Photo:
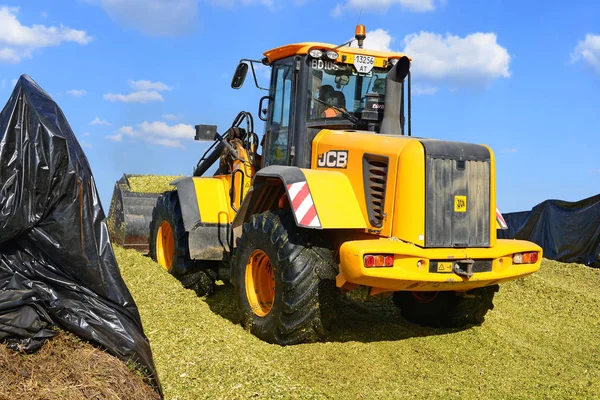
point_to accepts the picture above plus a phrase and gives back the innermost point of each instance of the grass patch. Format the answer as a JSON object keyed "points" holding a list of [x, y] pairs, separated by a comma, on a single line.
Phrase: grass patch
{"points": [[70, 369], [541, 341], [152, 183]]}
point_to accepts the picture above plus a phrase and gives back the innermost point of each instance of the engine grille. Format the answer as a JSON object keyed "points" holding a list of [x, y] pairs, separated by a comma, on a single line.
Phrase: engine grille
{"points": [[457, 195], [375, 171]]}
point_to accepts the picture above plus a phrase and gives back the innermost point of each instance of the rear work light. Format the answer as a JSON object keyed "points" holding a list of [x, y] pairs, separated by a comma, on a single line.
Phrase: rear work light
{"points": [[378, 260], [526, 258]]}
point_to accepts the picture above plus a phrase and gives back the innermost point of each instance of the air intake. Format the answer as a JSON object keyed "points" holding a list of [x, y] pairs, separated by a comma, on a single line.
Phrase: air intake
{"points": [[375, 169]]}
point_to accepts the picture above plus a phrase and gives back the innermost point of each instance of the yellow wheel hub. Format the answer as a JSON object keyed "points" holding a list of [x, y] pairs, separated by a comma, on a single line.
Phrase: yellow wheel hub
{"points": [[165, 245], [260, 283]]}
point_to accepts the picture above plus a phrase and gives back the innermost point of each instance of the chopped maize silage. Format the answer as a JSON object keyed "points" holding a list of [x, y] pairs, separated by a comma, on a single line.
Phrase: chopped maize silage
{"points": [[152, 183], [541, 341]]}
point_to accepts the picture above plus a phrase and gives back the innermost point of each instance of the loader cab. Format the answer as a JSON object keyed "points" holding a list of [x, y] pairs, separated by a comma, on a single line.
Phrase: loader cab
{"points": [[316, 86]]}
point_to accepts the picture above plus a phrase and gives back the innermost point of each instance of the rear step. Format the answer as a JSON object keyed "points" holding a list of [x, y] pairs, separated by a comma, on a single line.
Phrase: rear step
{"points": [[130, 215]]}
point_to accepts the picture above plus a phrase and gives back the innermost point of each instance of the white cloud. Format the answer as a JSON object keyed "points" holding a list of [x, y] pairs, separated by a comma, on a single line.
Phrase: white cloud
{"points": [[144, 92], [418, 90], [337, 11], [10, 56], [144, 96], [588, 50], [475, 60], [18, 41], [235, 3], [157, 128], [152, 17], [173, 117], [143, 85], [156, 132], [167, 142], [86, 144], [595, 171], [86, 134], [382, 6], [14, 82], [378, 39], [118, 137], [98, 121], [77, 92]]}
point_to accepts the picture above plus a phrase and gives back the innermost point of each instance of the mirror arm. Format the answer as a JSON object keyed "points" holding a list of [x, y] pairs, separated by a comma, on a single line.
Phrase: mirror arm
{"points": [[254, 72], [409, 100]]}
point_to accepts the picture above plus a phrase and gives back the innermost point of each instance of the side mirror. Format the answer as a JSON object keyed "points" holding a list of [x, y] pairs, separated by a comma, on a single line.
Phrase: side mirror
{"points": [[240, 75], [206, 132]]}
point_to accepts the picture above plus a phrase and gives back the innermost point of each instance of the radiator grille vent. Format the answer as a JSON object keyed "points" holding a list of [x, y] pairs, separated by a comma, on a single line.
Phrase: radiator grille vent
{"points": [[446, 179], [375, 170]]}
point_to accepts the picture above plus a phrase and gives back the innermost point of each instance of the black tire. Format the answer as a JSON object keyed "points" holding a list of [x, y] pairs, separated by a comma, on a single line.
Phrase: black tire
{"points": [[303, 302], [200, 280], [446, 309], [168, 210], [196, 275]]}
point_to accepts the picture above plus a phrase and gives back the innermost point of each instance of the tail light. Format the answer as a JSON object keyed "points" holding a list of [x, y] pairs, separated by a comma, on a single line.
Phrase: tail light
{"points": [[378, 260], [526, 258]]}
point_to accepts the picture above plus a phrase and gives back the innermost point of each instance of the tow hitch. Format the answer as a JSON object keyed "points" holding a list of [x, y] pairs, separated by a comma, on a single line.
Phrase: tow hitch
{"points": [[463, 268]]}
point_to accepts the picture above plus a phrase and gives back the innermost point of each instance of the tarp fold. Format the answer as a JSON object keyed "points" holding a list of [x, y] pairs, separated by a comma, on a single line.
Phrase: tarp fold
{"points": [[566, 231]]}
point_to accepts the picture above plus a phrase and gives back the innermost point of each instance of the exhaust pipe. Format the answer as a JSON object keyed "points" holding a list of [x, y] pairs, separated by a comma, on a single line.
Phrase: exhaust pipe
{"points": [[393, 111]]}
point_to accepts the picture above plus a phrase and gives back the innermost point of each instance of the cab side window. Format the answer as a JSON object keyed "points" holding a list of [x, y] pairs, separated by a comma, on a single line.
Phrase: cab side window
{"points": [[278, 124]]}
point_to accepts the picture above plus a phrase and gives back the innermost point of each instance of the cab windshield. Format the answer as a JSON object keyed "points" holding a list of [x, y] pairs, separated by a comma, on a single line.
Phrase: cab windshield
{"points": [[339, 85]]}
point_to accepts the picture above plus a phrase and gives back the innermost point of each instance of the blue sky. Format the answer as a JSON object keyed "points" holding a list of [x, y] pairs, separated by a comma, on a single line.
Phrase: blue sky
{"points": [[134, 76]]}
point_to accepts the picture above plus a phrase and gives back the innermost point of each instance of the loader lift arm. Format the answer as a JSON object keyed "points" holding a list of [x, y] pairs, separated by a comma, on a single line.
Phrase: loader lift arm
{"points": [[224, 143]]}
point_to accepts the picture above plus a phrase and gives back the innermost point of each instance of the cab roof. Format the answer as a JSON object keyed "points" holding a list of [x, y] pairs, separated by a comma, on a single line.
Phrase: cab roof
{"points": [[303, 48]]}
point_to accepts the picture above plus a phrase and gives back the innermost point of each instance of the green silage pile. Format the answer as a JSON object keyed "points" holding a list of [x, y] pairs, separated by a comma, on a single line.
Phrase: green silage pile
{"points": [[152, 183], [541, 341]]}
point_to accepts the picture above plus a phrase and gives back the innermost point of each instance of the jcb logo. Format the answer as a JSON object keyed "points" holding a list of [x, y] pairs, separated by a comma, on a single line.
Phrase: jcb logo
{"points": [[333, 159], [460, 203]]}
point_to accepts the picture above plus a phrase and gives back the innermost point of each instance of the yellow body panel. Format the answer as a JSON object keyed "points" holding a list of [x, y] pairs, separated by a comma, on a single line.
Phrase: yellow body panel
{"points": [[334, 200], [409, 218], [381, 57], [411, 265], [358, 144], [212, 195]]}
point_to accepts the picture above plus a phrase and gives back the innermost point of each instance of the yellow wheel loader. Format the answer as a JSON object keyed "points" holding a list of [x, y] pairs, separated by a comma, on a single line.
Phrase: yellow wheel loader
{"points": [[341, 196]]}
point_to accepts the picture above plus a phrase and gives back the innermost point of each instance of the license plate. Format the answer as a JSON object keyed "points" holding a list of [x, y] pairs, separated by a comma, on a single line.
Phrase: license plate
{"points": [[363, 64], [444, 267]]}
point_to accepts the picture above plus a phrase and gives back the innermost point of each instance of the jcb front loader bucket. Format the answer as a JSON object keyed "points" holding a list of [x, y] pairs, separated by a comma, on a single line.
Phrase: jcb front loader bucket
{"points": [[130, 215]]}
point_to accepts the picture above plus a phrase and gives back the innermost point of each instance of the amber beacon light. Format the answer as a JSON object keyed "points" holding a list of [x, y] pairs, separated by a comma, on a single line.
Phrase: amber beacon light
{"points": [[360, 35]]}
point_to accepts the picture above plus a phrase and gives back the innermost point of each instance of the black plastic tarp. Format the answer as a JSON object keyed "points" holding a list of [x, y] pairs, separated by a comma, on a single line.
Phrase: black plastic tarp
{"points": [[54, 247], [566, 231]]}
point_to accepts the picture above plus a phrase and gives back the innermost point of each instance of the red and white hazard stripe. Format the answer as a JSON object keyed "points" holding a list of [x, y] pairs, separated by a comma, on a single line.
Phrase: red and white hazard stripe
{"points": [[303, 205], [501, 220]]}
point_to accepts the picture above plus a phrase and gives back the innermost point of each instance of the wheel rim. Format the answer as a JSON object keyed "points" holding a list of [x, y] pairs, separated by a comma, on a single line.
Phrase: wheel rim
{"points": [[260, 283], [425, 297], [165, 245]]}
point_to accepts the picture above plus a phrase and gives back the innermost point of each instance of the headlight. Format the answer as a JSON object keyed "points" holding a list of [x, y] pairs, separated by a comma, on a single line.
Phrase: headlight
{"points": [[315, 53], [332, 55]]}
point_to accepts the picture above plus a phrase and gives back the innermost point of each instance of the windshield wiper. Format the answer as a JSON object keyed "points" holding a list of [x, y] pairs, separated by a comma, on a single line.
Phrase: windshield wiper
{"points": [[344, 113]]}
